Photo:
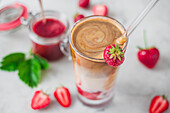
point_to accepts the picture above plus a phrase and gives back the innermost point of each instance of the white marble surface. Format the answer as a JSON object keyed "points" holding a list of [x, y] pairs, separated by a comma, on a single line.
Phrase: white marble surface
{"points": [[136, 85]]}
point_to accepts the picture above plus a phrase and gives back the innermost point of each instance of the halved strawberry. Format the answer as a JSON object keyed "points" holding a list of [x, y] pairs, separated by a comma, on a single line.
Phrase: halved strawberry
{"points": [[113, 55], [159, 104], [62, 95], [40, 100], [78, 17], [100, 10]]}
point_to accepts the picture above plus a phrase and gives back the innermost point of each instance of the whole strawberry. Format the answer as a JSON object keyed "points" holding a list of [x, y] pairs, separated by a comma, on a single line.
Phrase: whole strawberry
{"points": [[148, 56], [84, 3], [113, 55], [40, 100], [78, 17]]}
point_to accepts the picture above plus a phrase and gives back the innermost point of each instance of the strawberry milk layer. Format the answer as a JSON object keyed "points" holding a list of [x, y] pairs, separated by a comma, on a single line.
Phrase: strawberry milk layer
{"points": [[89, 83]]}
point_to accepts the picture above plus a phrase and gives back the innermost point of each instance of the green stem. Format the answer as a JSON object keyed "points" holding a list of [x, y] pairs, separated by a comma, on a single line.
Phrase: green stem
{"points": [[139, 48], [145, 41], [60, 84], [30, 52], [164, 96]]}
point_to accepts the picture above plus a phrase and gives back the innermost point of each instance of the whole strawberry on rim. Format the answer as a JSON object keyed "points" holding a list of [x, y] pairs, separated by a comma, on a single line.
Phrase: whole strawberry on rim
{"points": [[113, 55]]}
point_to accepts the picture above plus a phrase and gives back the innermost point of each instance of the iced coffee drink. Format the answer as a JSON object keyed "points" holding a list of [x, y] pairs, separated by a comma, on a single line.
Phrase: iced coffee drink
{"points": [[95, 79]]}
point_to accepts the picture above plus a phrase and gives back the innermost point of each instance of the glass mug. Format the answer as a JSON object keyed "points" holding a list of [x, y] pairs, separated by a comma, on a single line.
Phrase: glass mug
{"points": [[95, 79], [48, 47], [46, 37]]}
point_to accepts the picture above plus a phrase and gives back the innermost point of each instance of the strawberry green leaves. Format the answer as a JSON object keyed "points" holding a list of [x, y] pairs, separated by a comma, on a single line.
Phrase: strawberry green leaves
{"points": [[43, 62], [115, 52], [12, 61], [29, 70]]}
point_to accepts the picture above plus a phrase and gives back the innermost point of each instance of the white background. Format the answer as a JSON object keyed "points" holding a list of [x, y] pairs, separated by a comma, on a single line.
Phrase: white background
{"points": [[136, 85]]}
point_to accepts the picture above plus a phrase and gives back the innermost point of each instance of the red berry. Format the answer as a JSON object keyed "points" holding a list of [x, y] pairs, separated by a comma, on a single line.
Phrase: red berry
{"points": [[100, 10], [148, 57], [84, 3], [40, 100], [63, 96], [113, 55], [159, 104], [78, 17]]}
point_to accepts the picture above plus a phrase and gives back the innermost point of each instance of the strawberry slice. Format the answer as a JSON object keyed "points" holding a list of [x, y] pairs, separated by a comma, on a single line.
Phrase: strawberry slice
{"points": [[100, 10], [40, 100], [159, 104], [78, 17], [84, 3], [62, 95], [113, 55]]}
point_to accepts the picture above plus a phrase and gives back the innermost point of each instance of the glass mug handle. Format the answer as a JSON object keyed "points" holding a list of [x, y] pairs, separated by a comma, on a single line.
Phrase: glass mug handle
{"points": [[25, 22], [65, 48]]}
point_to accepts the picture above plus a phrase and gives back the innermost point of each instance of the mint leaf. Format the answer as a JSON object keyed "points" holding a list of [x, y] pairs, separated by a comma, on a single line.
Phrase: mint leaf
{"points": [[29, 72], [12, 61], [43, 62]]}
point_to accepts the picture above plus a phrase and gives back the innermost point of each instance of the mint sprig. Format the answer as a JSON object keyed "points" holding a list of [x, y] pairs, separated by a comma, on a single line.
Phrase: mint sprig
{"points": [[29, 70]]}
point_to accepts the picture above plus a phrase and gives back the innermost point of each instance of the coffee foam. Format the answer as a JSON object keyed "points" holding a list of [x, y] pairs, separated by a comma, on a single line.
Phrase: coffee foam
{"points": [[92, 36]]}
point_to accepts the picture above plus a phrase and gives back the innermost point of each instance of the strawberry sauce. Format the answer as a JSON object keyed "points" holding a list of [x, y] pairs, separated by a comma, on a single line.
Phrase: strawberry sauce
{"points": [[92, 96], [52, 28]]}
